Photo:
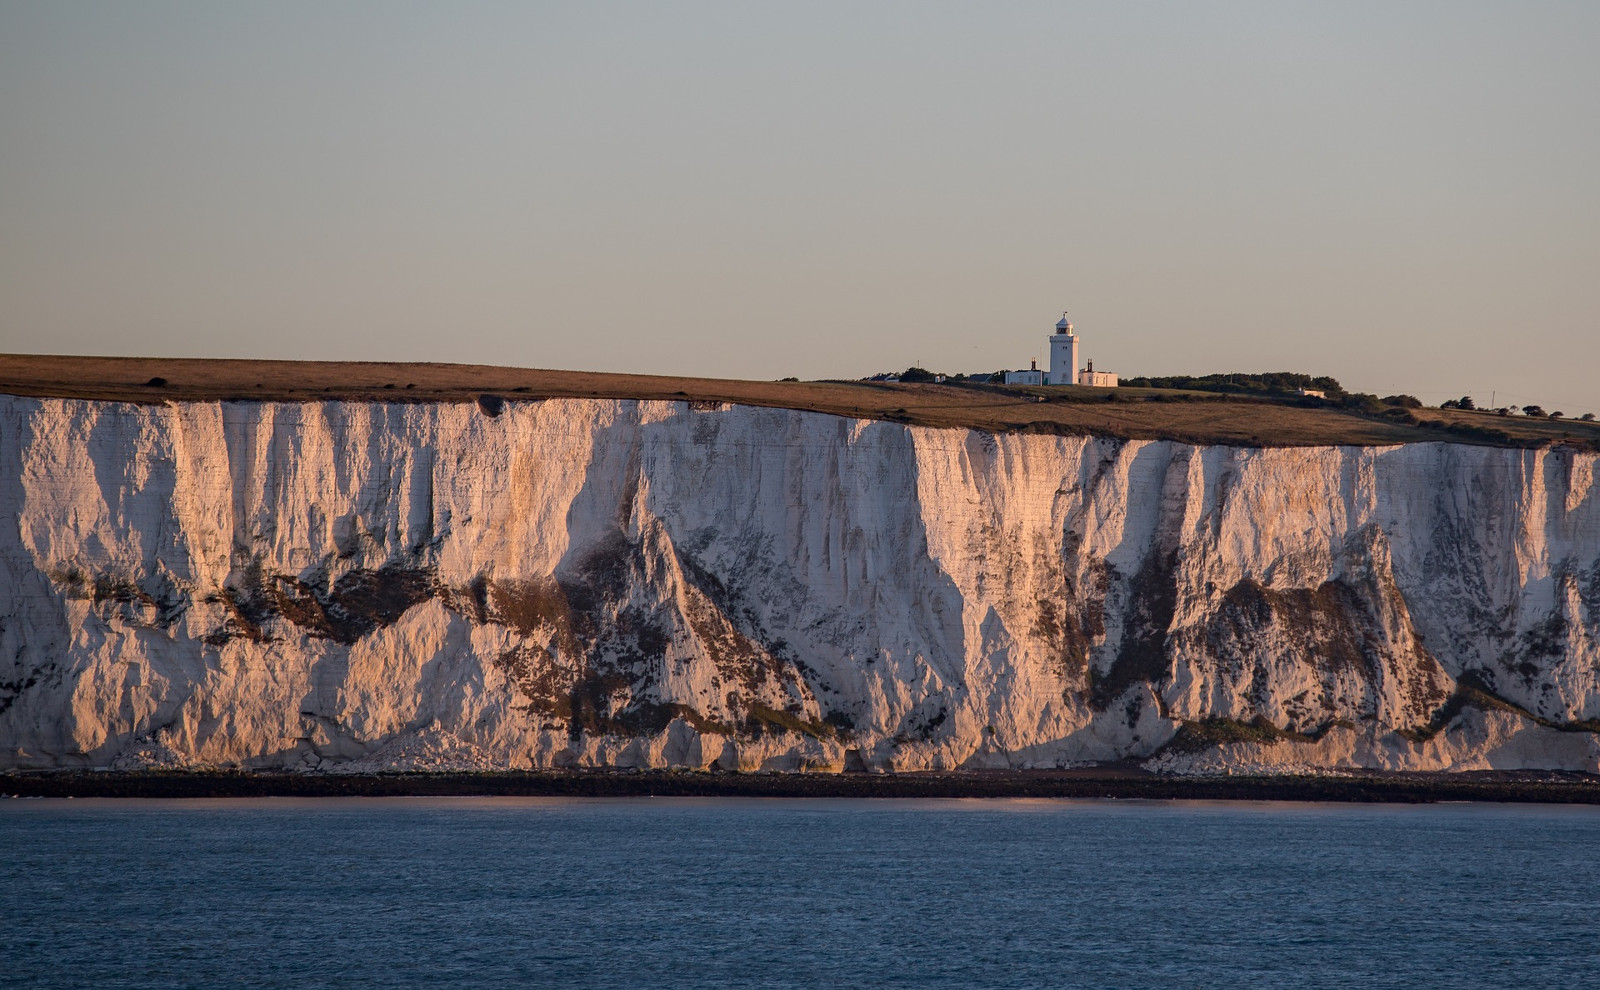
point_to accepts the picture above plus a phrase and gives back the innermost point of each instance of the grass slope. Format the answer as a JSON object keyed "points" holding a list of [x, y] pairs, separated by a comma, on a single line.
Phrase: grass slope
{"points": [[1135, 413]]}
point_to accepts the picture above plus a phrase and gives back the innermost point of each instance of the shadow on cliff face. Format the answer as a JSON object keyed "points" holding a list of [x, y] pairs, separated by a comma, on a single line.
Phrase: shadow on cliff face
{"points": [[1148, 600], [586, 649], [930, 637], [1335, 630], [1353, 635], [1151, 602], [1329, 622], [596, 634], [1071, 624], [1332, 629], [1550, 646]]}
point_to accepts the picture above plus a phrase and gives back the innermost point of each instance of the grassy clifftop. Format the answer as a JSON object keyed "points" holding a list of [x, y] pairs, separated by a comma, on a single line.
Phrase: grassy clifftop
{"points": [[1135, 413]]}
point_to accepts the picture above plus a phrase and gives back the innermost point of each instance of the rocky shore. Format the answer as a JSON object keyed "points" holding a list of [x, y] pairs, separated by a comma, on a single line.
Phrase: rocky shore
{"points": [[1113, 782]]}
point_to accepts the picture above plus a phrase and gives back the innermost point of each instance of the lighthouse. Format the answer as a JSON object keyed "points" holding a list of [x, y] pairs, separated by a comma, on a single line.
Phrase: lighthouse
{"points": [[1063, 354]]}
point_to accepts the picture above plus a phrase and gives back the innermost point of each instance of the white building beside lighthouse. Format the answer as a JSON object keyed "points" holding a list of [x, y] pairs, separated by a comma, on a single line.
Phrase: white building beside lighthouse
{"points": [[1033, 376], [1063, 355], [1099, 379]]}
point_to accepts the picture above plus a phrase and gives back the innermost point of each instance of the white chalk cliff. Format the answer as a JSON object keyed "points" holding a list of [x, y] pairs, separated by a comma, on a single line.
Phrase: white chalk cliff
{"points": [[349, 585]]}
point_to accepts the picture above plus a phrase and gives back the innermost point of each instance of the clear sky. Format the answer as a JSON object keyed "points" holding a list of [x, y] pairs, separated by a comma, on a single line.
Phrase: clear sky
{"points": [[1403, 195]]}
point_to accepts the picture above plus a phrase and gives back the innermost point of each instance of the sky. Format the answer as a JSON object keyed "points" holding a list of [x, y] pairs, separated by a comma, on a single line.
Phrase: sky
{"points": [[1401, 195]]}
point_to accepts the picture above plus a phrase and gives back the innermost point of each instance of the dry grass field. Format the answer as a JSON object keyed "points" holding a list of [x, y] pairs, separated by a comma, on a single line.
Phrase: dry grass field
{"points": [[1196, 417]]}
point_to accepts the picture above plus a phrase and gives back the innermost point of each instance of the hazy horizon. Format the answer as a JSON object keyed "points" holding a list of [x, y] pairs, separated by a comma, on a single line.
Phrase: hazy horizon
{"points": [[1401, 197]]}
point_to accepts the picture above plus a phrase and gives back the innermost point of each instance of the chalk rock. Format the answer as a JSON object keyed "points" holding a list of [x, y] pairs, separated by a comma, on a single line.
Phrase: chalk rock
{"points": [[650, 584]]}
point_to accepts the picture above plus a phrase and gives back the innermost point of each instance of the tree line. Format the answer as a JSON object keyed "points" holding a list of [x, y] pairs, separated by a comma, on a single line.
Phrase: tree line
{"points": [[1269, 384]]}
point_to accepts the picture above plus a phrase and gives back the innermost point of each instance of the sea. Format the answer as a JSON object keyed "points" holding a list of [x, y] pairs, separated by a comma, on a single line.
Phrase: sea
{"points": [[761, 892]]}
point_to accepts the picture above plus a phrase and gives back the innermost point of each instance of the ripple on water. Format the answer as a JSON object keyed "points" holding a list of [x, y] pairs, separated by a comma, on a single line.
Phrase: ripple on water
{"points": [[793, 893]]}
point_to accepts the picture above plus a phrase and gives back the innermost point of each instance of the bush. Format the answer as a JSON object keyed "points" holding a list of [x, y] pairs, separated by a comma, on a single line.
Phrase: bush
{"points": [[1587, 417], [1484, 433], [1403, 401], [1267, 383]]}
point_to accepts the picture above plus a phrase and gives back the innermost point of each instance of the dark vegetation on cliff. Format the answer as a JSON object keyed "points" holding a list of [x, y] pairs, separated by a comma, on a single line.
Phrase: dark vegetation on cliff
{"points": [[1243, 410]]}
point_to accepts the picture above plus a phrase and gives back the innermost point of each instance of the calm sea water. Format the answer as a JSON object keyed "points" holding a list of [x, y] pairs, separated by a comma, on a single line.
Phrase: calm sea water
{"points": [[794, 893]]}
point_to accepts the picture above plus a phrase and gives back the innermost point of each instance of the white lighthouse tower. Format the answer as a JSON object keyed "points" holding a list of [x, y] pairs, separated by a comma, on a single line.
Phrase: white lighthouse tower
{"points": [[1063, 354]]}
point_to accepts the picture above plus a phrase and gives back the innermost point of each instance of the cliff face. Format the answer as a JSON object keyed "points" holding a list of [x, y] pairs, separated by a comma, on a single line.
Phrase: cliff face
{"points": [[608, 582]]}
